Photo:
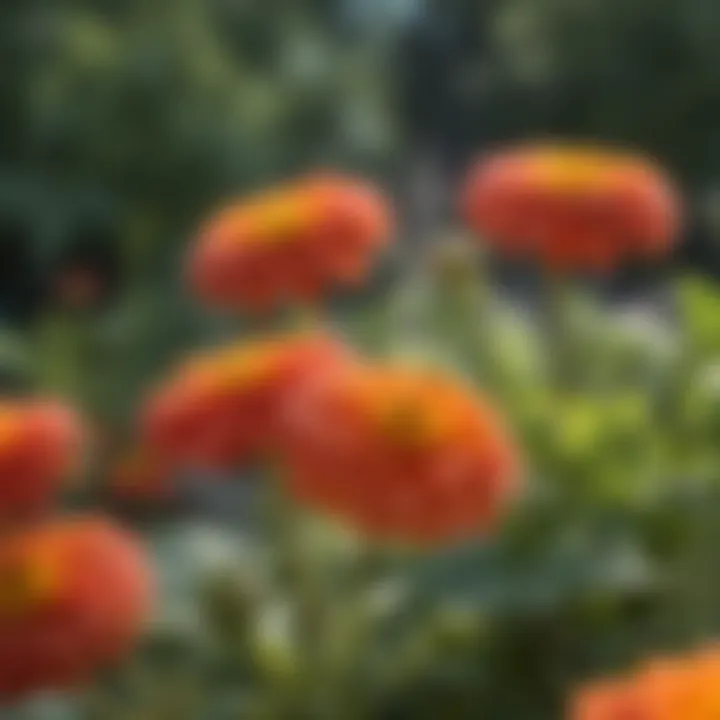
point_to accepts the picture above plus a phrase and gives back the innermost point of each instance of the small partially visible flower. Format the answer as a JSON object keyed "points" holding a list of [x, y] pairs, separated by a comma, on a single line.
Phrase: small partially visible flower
{"points": [[400, 454], [290, 244], [74, 596], [40, 445], [87, 273], [223, 408], [607, 701], [684, 688], [573, 207], [140, 477]]}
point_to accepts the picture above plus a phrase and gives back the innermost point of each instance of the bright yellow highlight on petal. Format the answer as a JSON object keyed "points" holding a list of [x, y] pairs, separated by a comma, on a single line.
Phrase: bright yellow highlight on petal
{"points": [[235, 368], [25, 584], [406, 416], [8, 428], [408, 425], [569, 170], [277, 217]]}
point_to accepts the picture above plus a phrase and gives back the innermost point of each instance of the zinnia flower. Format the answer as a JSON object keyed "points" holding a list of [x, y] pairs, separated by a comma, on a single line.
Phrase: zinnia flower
{"points": [[40, 444], [400, 454], [87, 274], [222, 408], [686, 688], [74, 595], [140, 477], [290, 244], [573, 207]]}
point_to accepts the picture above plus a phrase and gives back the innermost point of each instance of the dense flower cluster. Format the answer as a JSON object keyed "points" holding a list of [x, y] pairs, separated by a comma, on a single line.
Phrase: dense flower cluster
{"points": [[290, 244], [572, 207], [397, 453], [74, 595], [223, 407], [40, 445], [400, 453], [685, 688]]}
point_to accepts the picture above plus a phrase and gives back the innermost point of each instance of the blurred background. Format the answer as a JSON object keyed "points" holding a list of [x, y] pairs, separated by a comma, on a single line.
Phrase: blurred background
{"points": [[124, 123]]}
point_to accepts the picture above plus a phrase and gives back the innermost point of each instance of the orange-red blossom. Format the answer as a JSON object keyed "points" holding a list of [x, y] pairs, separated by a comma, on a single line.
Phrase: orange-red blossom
{"points": [[40, 444], [74, 595], [223, 407], [291, 244], [573, 207], [683, 688], [400, 454]]}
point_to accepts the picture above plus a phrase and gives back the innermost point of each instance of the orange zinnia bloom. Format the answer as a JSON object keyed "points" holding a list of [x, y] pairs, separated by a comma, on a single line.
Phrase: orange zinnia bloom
{"points": [[40, 444], [686, 688], [290, 244], [223, 408], [74, 595], [401, 454], [573, 208]]}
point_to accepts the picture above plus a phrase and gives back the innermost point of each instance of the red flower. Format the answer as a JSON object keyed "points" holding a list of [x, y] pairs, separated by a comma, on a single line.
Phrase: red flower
{"points": [[223, 408], [573, 208], [40, 444], [290, 244], [399, 454], [686, 688], [608, 701], [74, 595]]}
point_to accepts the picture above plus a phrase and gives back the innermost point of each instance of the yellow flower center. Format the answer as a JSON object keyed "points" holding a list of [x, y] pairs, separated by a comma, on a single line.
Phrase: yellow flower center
{"points": [[246, 368], [236, 368], [26, 582], [569, 171], [8, 427], [408, 423], [277, 218]]}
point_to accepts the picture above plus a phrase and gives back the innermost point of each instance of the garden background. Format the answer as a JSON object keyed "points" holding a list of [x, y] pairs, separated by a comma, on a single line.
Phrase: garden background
{"points": [[124, 124]]}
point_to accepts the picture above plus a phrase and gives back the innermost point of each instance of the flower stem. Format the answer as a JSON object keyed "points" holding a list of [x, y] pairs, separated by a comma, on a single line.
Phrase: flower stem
{"points": [[562, 351]]}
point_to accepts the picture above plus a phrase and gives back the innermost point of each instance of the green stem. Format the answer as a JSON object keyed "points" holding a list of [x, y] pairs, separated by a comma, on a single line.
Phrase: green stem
{"points": [[466, 315], [475, 294], [562, 351], [61, 356], [298, 578]]}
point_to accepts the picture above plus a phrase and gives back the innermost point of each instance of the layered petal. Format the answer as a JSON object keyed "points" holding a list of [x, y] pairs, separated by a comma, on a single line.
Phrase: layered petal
{"points": [[400, 454], [572, 207], [290, 245]]}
